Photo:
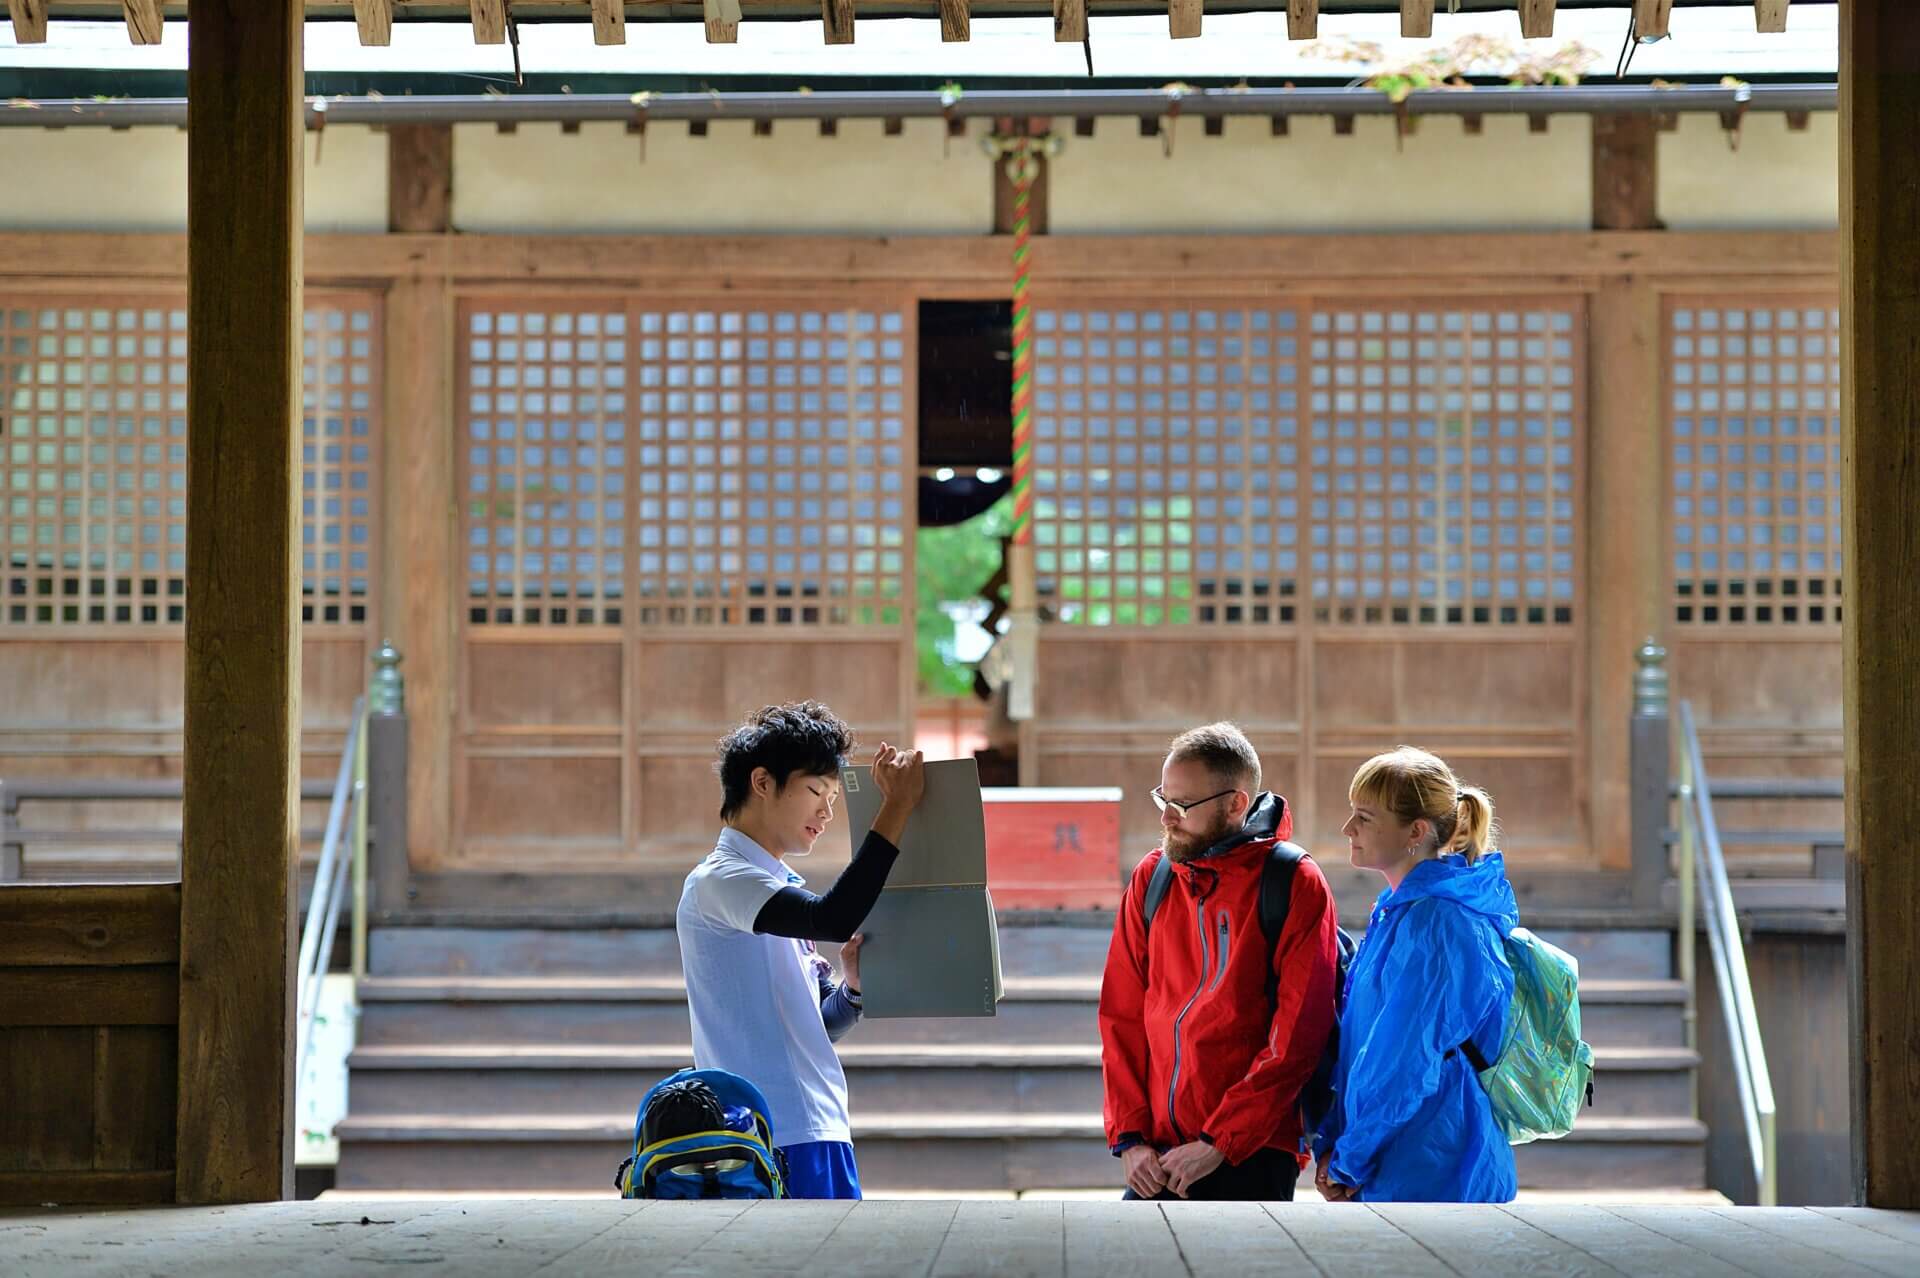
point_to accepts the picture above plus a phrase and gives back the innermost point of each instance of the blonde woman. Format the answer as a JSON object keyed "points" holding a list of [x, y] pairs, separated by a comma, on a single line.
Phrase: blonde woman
{"points": [[1428, 992]]}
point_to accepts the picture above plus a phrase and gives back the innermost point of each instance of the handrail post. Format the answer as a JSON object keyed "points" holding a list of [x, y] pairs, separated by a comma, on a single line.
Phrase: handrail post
{"points": [[10, 852], [359, 934], [1649, 767], [387, 781], [1684, 940]]}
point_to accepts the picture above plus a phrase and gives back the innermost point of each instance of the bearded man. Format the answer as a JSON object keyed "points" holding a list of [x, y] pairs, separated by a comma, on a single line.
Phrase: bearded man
{"points": [[1215, 1012]]}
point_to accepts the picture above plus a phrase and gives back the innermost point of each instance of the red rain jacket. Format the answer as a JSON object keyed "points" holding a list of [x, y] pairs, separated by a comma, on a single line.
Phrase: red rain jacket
{"points": [[1189, 1043]]}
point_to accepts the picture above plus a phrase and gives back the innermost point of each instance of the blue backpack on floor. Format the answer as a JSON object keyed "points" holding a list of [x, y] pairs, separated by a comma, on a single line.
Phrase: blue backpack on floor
{"points": [[702, 1133]]}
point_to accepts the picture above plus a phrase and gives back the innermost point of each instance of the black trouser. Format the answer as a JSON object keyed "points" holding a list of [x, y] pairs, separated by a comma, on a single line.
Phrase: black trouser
{"points": [[1267, 1177]]}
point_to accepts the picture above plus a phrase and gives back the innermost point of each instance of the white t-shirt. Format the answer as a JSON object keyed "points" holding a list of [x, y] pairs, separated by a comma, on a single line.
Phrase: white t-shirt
{"points": [[755, 999]]}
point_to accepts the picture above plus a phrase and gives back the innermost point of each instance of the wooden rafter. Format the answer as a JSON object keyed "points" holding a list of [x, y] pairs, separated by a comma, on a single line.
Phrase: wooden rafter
{"points": [[1303, 19], [145, 23], [1651, 18], [1416, 19], [489, 21], [374, 18], [836, 16], [723, 20], [1536, 19], [1770, 16], [1183, 18], [29, 20], [609, 21], [956, 22], [1069, 21]]}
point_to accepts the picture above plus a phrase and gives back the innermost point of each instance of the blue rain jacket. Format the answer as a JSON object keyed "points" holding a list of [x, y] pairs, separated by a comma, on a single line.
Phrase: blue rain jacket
{"points": [[1411, 1122]]}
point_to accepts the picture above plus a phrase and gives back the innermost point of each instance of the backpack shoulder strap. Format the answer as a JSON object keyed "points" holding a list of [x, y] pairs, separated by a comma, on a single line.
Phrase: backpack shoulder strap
{"points": [[1276, 889], [1157, 884], [1276, 899]]}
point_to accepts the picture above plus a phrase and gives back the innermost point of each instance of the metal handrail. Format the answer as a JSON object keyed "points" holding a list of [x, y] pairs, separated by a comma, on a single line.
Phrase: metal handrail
{"points": [[346, 827], [1703, 864]]}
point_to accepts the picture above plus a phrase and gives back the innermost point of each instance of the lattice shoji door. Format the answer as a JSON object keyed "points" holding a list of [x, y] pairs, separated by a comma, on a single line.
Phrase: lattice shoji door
{"points": [[1753, 418], [1166, 464], [547, 462], [1444, 463], [774, 465], [93, 468]]}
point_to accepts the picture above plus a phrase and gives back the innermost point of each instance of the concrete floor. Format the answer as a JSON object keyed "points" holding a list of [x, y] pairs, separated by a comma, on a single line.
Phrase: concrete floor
{"points": [[1045, 1239]]}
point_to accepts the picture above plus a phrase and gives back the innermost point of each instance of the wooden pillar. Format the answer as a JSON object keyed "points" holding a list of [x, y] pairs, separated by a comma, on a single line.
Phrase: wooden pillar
{"points": [[245, 126], [1626, 518], [1626, 173], [418, 606], [419, 177], [1880, 370]]}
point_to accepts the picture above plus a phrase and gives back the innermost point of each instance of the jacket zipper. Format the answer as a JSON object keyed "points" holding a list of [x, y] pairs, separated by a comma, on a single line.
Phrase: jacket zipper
{"points": [[1173, 1083]]}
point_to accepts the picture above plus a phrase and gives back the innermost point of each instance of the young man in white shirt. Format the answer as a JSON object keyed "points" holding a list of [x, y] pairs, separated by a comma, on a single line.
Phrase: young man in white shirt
{"points": [[764, 1002]]}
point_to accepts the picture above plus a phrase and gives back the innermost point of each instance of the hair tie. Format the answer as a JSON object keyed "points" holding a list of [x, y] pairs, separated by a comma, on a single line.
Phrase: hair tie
{"points": [[1459, 796]]}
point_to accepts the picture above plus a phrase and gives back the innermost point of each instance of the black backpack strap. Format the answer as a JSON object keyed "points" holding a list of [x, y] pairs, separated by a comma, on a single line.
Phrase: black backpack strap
{"points": [[1276, 899], [1157, 884]]}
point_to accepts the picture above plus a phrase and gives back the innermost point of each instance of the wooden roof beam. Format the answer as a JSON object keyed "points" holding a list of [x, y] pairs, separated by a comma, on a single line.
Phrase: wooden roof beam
{"points": [[1416, 19], [374, 18], [1303, 19], [1536, 19], [489, 21], [1650, 18], [609, 21], [956, 21], [1183, 18], [145, 23], [1770, 16], [723, 20], [1069, 21], [29, 21]]}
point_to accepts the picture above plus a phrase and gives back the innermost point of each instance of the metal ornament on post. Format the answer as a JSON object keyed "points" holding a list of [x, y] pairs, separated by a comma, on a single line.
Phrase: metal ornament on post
{"points": [[1022, 154]]}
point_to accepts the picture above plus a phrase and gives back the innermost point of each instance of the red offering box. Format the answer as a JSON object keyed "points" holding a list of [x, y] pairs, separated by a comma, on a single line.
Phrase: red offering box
{"points": [[1053, 849]]}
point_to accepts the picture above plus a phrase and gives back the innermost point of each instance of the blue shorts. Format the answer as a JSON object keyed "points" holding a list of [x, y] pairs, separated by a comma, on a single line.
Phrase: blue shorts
{"points": [[821, 1169]]}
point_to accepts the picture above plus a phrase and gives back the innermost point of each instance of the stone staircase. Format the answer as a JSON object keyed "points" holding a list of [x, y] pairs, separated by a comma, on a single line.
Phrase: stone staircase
{"points": [[513, 1060]]}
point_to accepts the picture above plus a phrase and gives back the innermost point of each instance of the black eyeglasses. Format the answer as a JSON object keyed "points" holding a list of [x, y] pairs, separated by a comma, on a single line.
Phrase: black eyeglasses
{"points": [[1180, 810]]}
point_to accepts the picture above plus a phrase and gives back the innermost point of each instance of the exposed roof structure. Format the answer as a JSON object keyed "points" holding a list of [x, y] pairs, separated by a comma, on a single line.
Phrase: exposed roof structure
{"points": [[498, 21]]}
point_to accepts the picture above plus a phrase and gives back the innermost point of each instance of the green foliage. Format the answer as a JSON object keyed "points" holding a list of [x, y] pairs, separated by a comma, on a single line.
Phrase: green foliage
{"points": [[951, 565], [1447, 66]]}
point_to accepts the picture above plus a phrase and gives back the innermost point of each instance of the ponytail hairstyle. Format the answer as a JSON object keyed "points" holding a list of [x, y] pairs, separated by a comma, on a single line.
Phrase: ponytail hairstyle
{"points": [[1417, 786]]}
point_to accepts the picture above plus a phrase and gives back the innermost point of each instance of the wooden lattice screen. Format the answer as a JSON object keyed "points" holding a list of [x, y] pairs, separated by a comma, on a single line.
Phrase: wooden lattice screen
{"points": [[713, 464], [93, 421], [1388, 462], [1753, 418]]}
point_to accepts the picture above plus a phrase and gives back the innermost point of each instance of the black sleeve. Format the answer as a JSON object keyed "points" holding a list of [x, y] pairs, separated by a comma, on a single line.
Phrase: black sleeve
{"points": [[836, 916]]}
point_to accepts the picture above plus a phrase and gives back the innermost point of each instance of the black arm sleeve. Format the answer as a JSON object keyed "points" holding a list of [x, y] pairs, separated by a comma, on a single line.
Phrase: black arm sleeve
{"points": [[836, 916]]}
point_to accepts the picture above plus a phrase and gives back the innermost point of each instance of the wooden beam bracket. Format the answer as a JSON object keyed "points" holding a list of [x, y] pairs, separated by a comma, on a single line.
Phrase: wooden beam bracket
{"points": [[956, 21], [1303, 19], [374, 18], [146, 24], [29, 21], [1069, 21], [1536, 19], [1651, 18], [836, 20], [1416, 19], [609, 22], [723, 20]]}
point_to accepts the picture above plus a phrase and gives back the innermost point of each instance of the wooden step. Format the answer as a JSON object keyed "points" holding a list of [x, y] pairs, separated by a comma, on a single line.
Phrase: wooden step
{"points": [[651, 989], [538, 1021], [924, 1151], [968, 1078]]}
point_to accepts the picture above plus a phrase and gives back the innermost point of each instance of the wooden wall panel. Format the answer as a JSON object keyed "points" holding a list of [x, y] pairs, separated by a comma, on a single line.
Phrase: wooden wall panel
{"points": [[691, 685], [536, 685], [546, 804], [89, 1001]]}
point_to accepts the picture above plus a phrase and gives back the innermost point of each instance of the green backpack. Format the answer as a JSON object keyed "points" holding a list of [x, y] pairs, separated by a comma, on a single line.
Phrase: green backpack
{"points": [[1544, 1067]]}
